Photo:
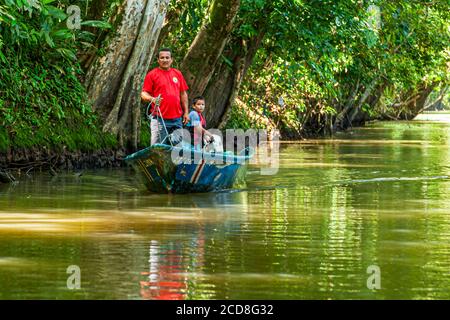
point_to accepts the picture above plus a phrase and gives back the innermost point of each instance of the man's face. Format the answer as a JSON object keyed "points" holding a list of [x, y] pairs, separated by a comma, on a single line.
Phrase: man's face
{"points": [[165, 60]]}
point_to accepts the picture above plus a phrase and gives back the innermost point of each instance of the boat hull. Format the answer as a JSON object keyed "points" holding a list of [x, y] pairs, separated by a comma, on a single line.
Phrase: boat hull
{"points": [[167, 169]]}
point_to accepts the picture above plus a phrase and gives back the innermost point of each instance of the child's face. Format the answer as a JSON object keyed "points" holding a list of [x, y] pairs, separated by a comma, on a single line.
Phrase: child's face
{"points": [[199, 105]]}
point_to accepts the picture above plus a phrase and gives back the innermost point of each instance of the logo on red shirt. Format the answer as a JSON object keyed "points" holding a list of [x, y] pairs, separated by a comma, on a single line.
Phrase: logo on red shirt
{"points": [[175, 80]]}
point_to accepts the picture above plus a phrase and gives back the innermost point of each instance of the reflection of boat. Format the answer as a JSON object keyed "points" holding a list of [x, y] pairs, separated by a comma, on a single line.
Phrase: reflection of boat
{"points": [[174, 169]]}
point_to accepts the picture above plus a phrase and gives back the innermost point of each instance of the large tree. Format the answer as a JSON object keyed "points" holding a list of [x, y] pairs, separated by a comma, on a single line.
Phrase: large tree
{"points": [[218, 74], [226, 81], [205, 51], [114, 80]]}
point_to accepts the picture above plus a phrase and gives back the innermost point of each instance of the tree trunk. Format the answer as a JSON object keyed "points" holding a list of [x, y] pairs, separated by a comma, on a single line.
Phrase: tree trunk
{"points": [[114, 82], [348, 105], [171, 21], [412, 107], [340, 119], [226, 81], [359, 116], [201, 59], [418, 105], [438, 102]]}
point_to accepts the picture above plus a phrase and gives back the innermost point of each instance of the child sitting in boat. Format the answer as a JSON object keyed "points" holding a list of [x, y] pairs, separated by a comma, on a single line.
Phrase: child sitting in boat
{"points": [[197, 124]]}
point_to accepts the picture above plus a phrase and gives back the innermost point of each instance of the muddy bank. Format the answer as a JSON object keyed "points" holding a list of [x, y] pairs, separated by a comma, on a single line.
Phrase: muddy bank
{"points": [[14, 162]]}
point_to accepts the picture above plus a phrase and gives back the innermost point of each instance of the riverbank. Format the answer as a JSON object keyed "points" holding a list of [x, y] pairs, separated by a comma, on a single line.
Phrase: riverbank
{"points": [[15, 162], [42, 158]]}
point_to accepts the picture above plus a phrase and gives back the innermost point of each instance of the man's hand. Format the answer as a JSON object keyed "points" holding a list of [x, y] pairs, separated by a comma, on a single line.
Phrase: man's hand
{"points": [[184, 106], [146, 97], [186, 118], [157, 100]]}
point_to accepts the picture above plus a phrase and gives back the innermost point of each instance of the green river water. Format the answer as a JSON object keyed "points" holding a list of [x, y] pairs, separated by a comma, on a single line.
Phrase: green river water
{"points": [[377, 196]]}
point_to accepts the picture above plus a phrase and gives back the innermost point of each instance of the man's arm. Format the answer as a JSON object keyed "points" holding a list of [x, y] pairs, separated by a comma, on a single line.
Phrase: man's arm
{"points": [[146, 97], [147, 88], [184, 106]]}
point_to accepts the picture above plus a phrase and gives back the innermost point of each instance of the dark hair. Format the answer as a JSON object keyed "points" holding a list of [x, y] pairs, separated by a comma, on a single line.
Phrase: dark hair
{"points": [[165, 50], [194, 101]]}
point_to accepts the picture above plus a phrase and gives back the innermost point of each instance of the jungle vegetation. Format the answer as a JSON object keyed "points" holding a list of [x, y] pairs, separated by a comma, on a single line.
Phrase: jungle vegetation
{"points": [[71, 71]]}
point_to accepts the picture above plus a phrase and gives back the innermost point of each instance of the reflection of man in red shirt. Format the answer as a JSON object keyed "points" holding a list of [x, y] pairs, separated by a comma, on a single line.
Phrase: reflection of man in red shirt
{"points": [[165, 281], [170, 84]]}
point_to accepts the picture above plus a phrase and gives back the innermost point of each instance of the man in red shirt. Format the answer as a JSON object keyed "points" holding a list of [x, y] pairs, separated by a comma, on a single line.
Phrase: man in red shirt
{"points": [[170, 84]]}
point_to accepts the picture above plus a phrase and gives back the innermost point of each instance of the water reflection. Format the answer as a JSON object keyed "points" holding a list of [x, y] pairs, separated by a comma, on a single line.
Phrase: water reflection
{"points": [[165, 279]]}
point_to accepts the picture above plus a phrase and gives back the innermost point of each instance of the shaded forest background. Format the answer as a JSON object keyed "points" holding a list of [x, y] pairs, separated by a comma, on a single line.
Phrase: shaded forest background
{"points": [[307, 68]]}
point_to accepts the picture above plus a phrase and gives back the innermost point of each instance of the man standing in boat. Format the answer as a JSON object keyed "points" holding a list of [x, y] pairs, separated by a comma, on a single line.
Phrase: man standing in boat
{"points": [[170, 85]]}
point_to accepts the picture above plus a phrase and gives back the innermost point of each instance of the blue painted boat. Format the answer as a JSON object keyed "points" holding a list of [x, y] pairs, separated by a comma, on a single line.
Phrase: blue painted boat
{"points": [[173, 169]]}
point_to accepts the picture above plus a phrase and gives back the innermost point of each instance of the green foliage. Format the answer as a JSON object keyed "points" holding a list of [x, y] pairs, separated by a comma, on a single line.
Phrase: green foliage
{"points": [[4, 140], [239, 119], [46, 106], [145, 133], [191, 16], [42, 101], [316, 52], [316, 58]]}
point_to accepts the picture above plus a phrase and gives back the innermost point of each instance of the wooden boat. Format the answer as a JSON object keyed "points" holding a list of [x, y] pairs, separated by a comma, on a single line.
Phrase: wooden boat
{"points": [[172, 169]]}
